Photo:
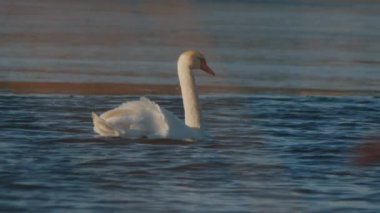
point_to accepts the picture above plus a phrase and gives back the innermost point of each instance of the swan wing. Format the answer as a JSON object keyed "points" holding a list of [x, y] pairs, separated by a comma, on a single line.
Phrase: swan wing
{"points": [[171, 126], [142, 118], [101, 126]]}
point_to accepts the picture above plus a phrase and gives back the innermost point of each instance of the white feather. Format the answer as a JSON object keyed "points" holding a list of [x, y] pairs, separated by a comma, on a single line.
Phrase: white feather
{"points": [[143, 118]]}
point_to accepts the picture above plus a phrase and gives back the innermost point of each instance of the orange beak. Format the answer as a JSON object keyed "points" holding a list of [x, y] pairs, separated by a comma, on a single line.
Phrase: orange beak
{"points": [[206, 68]]}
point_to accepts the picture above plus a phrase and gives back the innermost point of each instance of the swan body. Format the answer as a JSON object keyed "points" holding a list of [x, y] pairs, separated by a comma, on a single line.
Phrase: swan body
{"points": [[145, 119]]}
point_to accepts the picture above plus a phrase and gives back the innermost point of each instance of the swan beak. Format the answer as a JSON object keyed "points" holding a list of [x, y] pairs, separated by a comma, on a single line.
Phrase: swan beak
{"points": [[206, 68]]}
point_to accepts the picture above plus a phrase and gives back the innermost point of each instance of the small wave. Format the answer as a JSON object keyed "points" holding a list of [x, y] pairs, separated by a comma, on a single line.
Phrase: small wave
{"points": [[197, 166], [27, 186]]}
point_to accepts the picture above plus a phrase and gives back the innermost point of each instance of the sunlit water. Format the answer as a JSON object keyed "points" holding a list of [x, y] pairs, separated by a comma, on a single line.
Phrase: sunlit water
{"points": [[262, 154]]}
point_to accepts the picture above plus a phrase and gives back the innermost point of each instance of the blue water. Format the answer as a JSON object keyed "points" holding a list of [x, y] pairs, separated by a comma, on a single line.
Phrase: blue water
{"points": [[262, 154]]}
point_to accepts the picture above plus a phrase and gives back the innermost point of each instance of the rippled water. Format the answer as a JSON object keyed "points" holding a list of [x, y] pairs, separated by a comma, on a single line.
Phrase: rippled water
{"points": [[262, 154]]}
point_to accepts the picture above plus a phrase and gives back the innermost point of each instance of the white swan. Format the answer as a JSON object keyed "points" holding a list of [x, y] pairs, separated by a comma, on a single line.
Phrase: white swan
{"points": [[144, 118]]}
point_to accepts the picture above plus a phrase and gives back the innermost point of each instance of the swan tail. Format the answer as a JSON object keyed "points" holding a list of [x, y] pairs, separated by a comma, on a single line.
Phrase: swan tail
{"points": [[102, 128]]}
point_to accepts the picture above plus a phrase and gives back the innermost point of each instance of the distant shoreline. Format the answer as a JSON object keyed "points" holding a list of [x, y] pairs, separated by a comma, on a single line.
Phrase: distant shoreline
{"points": [[99, 88]]}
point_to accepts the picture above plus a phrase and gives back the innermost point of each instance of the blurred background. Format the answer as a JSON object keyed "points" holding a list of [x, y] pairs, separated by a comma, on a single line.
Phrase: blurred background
{"points": [[330, 45]]}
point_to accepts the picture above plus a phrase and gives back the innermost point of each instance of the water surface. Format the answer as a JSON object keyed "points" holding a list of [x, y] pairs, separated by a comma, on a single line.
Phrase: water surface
{"points": [[309, 72], [275, 44], [262, 154]]}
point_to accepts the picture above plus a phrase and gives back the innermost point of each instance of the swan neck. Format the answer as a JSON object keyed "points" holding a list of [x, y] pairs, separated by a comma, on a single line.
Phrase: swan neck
{"points": [[189, 96]]}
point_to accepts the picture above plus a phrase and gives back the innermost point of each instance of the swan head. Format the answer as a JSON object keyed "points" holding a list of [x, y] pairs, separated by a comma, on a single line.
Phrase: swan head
{"points": [[195, 60]]}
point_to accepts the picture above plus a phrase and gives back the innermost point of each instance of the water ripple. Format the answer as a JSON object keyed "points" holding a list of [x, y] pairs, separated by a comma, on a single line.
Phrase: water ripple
{"points": [[296, 152]]}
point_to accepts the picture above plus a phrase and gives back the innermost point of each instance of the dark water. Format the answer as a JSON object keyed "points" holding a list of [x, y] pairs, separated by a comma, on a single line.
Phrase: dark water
{"points": [[263, 154]]}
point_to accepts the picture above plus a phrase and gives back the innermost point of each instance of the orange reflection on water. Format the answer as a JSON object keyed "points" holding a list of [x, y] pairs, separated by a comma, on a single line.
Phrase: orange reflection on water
{"points": [[368, 153]]}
